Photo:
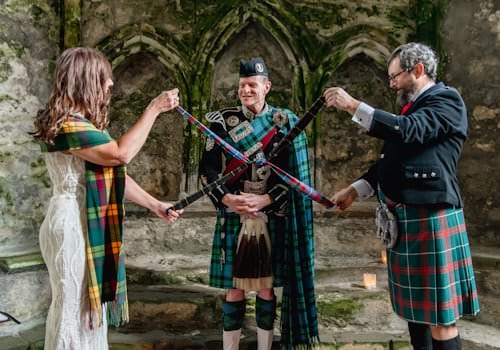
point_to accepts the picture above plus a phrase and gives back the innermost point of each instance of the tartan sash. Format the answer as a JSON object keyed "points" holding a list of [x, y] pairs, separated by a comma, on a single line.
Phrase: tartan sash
{"points": [[299, 322], [105, 188]]}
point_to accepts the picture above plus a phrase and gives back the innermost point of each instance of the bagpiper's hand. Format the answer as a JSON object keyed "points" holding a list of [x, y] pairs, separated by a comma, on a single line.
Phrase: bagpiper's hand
{"points": [[239, 204], [257, 201]]}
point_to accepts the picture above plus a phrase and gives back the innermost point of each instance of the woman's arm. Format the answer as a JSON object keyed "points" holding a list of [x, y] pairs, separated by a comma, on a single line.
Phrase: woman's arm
{"points": [[123, 150], [138, 195]]}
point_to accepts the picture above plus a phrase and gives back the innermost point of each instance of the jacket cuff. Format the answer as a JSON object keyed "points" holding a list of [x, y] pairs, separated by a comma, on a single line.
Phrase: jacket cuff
{"points": [[216, 196], [279, 196]]}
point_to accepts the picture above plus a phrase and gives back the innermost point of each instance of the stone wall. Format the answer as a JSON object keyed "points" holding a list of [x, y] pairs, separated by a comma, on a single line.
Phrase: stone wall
{"points": [[471, 38], [28, 46], [196, 45]]}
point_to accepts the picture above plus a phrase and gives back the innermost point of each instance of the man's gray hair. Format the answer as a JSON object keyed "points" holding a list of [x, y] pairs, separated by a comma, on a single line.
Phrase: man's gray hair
{"points": [[412, 53]]}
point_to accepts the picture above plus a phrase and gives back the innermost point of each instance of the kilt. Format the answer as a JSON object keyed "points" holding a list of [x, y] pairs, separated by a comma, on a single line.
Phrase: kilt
{"points": [[431, 278], [224, 245]]}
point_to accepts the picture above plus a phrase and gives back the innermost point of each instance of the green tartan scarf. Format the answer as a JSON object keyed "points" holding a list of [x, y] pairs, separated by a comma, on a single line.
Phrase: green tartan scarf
{"points": [[105, 187], [299, 322]]}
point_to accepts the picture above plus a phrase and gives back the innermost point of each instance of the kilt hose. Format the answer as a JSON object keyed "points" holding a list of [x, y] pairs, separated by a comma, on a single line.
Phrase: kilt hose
{"points": [[431, 278]]}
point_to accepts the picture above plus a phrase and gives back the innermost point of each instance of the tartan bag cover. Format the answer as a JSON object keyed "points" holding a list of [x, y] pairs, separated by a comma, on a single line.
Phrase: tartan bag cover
{"points": [[292, 244], [105, 188], [431, 278]]}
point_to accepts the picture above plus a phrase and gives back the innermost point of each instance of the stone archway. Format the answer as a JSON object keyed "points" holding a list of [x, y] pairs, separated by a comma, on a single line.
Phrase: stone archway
{"points": [[343, 151], [158, 166], [252, 41]]}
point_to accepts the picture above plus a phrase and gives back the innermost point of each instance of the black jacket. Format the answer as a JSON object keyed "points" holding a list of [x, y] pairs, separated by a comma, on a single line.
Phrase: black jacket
{"points": [[418, 162]]}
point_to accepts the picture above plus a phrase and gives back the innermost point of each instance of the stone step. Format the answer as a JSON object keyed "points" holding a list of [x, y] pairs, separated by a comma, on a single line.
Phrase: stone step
{"points": [[347, 278], [474, 337]]}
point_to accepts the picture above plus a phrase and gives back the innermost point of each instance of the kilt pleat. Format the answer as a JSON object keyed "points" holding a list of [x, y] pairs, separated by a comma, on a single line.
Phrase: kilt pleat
{"points": [[431, 277]]}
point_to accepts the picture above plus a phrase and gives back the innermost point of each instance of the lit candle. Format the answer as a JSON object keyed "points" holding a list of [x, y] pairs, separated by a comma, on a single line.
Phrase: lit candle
{"points": [[370, 280], [383, 256]]}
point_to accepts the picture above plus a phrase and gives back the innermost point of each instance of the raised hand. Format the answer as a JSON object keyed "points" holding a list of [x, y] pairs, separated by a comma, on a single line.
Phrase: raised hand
{"points": [[165, 101], [340, 99]]}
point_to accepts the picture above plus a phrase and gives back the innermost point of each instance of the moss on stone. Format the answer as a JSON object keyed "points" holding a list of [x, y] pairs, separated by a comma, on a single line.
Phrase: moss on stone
{"points": [[340, 310], [70, 23], [5, 71], [428, 15]]}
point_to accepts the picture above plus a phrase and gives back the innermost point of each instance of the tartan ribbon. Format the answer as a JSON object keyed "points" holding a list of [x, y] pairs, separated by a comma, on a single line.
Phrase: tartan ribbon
{"points": [[301, 187], [290, 180], [219, 141]]}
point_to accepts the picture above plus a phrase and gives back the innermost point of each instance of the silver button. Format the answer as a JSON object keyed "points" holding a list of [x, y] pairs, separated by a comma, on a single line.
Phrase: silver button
{"points": [[415, 175], [396, 127], [424, 175], [433, 174], [382, 156]]}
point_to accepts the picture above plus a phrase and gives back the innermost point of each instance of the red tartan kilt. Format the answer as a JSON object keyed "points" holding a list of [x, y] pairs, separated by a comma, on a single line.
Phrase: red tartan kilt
{"points": [[431, 278]]}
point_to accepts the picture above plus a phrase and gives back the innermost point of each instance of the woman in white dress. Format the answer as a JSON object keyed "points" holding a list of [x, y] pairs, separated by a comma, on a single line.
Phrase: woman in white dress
{"points": [[81, 236]]}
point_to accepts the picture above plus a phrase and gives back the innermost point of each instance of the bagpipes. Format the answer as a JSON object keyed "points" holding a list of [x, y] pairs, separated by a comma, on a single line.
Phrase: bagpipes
{"points": [[252, 268], [286, 141]]}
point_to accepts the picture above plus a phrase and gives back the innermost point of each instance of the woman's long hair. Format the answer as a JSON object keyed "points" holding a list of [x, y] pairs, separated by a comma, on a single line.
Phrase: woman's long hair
{"points": [[79, 86]]}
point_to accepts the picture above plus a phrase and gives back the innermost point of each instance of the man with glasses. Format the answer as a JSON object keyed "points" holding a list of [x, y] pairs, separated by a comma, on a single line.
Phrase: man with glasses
{"points": [[431, 278]]}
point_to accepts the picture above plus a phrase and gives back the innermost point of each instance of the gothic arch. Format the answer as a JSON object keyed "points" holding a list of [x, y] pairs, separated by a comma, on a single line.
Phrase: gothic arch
{"points": [[215, 41], [137, 38]]}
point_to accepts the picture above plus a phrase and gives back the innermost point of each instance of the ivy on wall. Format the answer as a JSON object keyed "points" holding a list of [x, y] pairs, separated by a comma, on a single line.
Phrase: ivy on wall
{"points": [[316, 38]]}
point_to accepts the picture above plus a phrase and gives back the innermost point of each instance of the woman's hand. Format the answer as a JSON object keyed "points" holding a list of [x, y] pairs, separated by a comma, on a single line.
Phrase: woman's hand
{"points": [[164, 102], [162, 211]]}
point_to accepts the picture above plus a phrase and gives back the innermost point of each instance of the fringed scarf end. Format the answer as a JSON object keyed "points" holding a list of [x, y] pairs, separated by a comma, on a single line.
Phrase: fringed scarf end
{"points": [[117, 314], [313, 344]]}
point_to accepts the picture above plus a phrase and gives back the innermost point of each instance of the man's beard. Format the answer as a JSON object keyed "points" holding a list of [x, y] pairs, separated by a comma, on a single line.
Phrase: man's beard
{"points": [[405, 95]]}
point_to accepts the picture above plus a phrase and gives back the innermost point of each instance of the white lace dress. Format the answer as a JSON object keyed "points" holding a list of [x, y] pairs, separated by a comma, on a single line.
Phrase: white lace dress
{"points": [[63, 248]]}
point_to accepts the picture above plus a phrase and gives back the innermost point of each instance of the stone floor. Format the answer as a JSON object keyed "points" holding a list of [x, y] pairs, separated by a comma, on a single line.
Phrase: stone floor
{"points": [[187, 316], [172, 309]]}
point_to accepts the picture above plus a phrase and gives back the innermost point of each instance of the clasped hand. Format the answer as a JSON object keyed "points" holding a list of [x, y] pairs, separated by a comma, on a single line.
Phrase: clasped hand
{"points": [[248, 204]]}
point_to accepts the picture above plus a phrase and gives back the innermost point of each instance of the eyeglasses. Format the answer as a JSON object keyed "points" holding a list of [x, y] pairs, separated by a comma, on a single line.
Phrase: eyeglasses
{"points": [[394, 76]]}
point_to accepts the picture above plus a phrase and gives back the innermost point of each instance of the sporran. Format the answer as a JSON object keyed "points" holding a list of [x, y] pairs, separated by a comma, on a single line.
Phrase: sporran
{"points": [[387, 225]]}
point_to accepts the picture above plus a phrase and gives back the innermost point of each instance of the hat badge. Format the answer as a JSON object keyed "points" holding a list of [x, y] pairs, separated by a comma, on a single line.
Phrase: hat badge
{"points": [[259, 67]]}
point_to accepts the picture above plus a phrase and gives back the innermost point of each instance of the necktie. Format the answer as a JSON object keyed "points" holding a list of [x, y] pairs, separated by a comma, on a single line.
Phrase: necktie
{"points": [[406, 107]]}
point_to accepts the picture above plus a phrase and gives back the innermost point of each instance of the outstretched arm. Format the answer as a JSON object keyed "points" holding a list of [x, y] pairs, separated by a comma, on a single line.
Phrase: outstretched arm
{"points": [[122, 151], [138, 195]]}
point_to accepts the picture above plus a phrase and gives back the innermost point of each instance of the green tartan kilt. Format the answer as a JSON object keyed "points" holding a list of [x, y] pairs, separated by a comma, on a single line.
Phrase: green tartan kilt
{"points": [[431, 278], [224, 244]]}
